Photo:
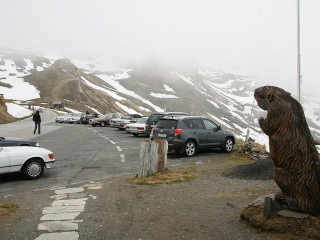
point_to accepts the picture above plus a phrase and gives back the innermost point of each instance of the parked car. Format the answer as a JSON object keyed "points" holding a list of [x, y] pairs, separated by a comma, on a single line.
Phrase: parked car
{"points": [[68, 117], [87, 117], [60, 119], [104, 120], [137, 128], [153, 119], [6, 142], [75, 118], [188, 134], [28, 160], [127, 118]]}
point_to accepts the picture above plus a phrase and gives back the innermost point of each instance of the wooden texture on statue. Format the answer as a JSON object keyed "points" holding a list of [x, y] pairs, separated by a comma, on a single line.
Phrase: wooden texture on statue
{"points": [[292, 149]]}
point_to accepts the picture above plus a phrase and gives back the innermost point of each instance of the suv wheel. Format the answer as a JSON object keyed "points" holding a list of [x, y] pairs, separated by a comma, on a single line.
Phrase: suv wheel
{"points": [[102, 124], [228, 145], [190, 148]]}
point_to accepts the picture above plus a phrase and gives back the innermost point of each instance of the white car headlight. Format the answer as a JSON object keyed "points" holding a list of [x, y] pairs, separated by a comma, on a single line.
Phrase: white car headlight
{"points": [[37, 144]]}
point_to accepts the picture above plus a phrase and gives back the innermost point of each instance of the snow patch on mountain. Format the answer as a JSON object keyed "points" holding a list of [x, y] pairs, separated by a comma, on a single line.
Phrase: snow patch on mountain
{"points": [[18, 111], [127, 109], [111, 93], [161, 95], [167, 88], [186, 79], [112, 80], [20, 89], [145, 109], [213, 103]]}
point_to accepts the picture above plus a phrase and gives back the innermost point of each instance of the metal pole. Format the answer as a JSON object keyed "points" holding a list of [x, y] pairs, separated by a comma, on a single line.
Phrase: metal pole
{"points": [[298, 57]]}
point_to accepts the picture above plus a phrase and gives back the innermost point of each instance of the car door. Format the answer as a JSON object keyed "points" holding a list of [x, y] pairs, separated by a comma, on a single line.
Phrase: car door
{"points": [[214, 136], [4, 161], [198, 131]]}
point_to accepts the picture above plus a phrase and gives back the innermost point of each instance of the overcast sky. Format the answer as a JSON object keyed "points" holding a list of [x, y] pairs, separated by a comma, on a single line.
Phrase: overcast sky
{"points": [[244, 36]]}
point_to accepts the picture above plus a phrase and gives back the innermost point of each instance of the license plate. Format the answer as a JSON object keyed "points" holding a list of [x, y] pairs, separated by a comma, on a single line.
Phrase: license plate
{"points": [[162, 135], [133, 128]]}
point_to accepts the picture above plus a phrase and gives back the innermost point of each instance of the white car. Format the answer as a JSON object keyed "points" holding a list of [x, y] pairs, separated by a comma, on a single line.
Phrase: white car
{"points": [[75, 118], [60, 119], [28, 160], [121, 122], [68, 117], [137, 128]]}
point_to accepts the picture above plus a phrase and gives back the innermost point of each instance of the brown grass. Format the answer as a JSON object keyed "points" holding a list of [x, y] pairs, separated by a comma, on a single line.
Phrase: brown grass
{"points": [[7, 208], [289, 228], [166, 177]]}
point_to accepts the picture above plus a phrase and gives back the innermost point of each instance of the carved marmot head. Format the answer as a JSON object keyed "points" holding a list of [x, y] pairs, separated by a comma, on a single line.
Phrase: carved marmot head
{"points": [[267, 94]]}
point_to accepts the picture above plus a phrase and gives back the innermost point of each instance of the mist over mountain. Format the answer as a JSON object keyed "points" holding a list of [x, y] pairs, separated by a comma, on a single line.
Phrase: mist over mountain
{"points": [[142, 87]]}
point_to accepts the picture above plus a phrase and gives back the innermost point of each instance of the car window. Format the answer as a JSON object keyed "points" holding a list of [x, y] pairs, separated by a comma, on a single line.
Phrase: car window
{"points": [[142, 120], [155, 117], [167, 124], [210, 125], [187, 122], [197, 124]]}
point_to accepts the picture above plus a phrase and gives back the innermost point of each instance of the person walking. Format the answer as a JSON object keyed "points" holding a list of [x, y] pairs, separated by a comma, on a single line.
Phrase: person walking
{"points": [[37, 120]]}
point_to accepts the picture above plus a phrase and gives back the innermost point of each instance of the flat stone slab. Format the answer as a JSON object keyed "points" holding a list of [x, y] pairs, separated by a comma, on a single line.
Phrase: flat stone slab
{"points": [[60, 216], [55, 226], [63, 209], [70, 202], [59, 236], [292, 214], [77, 195], [69, 190]]}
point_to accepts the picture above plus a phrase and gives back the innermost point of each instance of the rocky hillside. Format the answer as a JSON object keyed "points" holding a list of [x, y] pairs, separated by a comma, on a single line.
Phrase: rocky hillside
{"points": [[4, 116]]}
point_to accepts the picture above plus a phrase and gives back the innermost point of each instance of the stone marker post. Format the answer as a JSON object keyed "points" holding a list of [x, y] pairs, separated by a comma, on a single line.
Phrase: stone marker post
{"points": [[152, 156]]}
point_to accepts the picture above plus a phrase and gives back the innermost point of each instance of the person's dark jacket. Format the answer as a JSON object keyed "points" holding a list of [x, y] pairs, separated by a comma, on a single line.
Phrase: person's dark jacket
{"points": [[36, 117]]}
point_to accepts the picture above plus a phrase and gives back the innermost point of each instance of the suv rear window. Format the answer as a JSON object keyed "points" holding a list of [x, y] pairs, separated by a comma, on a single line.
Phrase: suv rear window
{"points": [[167, 124], [155, 117]]}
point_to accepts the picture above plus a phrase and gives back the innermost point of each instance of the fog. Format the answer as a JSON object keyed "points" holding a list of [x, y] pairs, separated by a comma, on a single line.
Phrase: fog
{"points": [[240, 36]]}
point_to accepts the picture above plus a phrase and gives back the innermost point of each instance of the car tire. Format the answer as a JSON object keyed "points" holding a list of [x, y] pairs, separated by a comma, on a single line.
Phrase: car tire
{"points": [[135, 134], [190, 148], [228, 145], [33, 168], [102, 124]]}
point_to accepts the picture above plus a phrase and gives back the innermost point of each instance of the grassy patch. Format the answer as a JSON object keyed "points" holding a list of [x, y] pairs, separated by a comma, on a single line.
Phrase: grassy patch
{"points": [[289, 228], [232, 160], [7, 208], [166, 177]]}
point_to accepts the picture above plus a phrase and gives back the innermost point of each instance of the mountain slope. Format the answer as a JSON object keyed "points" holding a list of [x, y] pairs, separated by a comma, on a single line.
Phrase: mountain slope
{"points": [[144, 88]]}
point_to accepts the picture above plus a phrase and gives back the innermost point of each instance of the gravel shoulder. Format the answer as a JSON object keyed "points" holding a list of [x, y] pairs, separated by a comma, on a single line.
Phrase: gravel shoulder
{"points": [[206, 208]]}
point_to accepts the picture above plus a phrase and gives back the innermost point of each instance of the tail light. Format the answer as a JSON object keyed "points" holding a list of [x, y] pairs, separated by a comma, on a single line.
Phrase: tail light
{"points": [[177, 132], [50, 155], [140, 128], [147, 125]]}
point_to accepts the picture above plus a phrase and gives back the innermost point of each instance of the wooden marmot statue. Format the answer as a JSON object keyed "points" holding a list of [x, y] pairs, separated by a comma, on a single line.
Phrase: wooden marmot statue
{"points": [[292, 149]]}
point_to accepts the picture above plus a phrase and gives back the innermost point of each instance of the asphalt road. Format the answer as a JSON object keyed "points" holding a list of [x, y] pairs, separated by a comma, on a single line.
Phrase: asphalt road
{"points": [[82, 153]]}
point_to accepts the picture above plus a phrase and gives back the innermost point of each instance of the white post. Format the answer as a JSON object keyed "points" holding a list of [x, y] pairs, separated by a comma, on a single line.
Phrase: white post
{"points": [[298, 55]]}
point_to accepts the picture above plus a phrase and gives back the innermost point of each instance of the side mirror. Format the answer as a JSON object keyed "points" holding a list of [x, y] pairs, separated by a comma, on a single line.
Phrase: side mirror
{"points": [[219, 128]]}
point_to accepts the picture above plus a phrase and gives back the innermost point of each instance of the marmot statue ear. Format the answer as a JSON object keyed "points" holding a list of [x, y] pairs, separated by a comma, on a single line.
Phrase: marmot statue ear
{"points": [[270, 97]]}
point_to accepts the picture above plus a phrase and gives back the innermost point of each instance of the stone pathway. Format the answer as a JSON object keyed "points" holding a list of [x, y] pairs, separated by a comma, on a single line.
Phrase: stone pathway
{"points": [[59, 220]]}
